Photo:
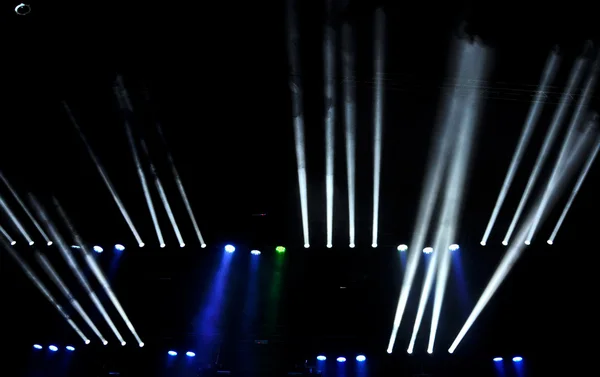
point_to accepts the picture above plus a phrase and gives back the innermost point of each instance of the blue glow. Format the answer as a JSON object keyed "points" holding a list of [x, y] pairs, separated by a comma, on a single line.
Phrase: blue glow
{"points": [[37, 347], [341, 359], [361, 358], [321, 358], [454, 247], [229, 248], [98, 249], [498, 359], [119, 247], [53, 348], [517, 359], [70, 348], [255, 252], [172, 353], [190, 354]]}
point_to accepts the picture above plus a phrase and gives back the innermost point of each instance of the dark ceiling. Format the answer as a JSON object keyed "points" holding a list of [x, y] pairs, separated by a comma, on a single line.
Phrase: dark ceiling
{"points": [[215, 76]]}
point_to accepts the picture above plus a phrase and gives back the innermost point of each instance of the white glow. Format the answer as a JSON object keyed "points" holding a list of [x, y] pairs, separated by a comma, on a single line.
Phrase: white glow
{"points": [[49, 243], [352, 245], [527, 242], [550, 242], [182, 245], [162, 245], [428, 250], [482, 243], [123, 343], [306, 246], [329, 246], [141, 244], [203, 245], [505, 243], [13, 242], [141, 345], [87, 341], [31, 243], [454, 247], [105, 342], [402, 247], [374, 245]]}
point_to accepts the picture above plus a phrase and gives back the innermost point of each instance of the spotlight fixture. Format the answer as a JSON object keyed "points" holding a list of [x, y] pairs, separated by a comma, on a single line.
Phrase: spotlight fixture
{"points": [[141, 344], [306, 246], [55, 348], [280, 249], [321, 358], [70, 348], [517, 359], [37, 347], [49, 243], [203, 245], [141, 244], [229, 248], [341, 359], [255, 252], [454, 247], [428, 250], [402, 247], [31, 243], [361, 358], [172, 353], [119, 247], [98, 249], [498, 359], [190, 354]]}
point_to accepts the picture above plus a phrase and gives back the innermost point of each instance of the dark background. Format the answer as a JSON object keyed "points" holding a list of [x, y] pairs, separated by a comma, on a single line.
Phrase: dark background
{"points": [[216, 75]]}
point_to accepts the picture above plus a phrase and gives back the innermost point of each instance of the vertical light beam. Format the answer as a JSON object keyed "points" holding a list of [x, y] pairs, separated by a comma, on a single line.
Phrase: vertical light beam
{"points": [[104, 176], [295, 84], [15, 220], [330, 115], [378, 95], [348, 52], [532, 118]]}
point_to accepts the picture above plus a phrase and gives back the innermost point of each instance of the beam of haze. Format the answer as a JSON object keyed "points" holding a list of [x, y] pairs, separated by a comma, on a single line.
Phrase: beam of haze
{"points": [[442, 141], [95, 268], [557, 120], [516, 248], [15, 220], [565, 150], [578, 184], [25, 209], [65, 252], [298, 111], [378, 96], [532, 118], [42, 288], [104, 176], [329, 49]]}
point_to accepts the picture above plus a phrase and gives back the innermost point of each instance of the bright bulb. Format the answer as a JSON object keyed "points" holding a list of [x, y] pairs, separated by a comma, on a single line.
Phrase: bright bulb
{"points": [[203, 245], [352, 245], [13, 242], [142, 244], [550, 242], [482, 243], [49, 243], [306, 246], [402, 247], [527, 242], [162, 245], [329, 246], [31, 243], [504, 242], [87, 341], [123, 343], [141, 345], [105, 342], [182, 245], [373, 245]]}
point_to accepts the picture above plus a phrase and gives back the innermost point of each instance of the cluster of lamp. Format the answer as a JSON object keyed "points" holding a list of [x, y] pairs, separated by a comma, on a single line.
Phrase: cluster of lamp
{"points": [[429, 249], [516, 359], [342, 359], [53, 348], [188, 353], [231, 249]]}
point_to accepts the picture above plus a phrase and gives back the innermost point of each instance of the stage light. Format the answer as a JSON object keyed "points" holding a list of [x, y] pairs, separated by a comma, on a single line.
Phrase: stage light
{"points": [[55, 348], [549, 242], [280, 249], [190, 354], [87, 341], [75, 247], [352, 246], [498, 359], [229, 248], [321, 358], [402, 247], [454, 247], [141, 244], [505, 243], [527, 242], [182, 245], [306, 246], [172, 353], [98, 249], [255, 252], [329, 246], [13, 243], [37, 347], [70, 348], [49, 243], [373, 245], [141, 345], [119, 247], [105, 342], [361, 358], [123, 343], [203, 245], [31, 243], [341, 359], [482, 243], [517, 359], [428, 250]]}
